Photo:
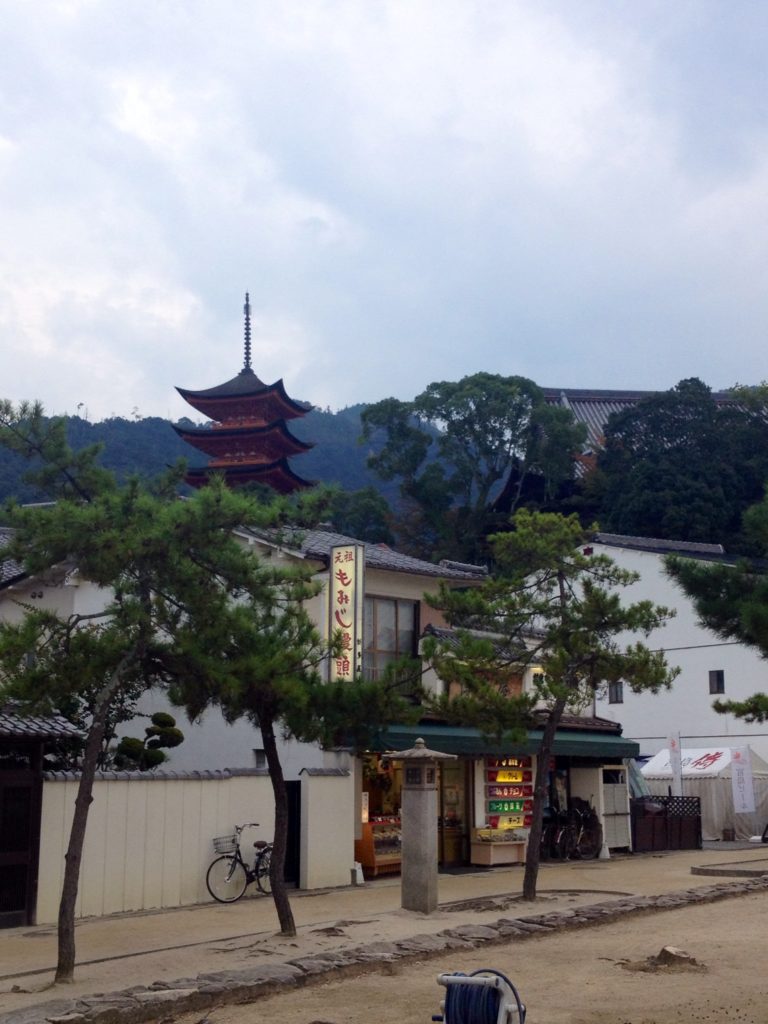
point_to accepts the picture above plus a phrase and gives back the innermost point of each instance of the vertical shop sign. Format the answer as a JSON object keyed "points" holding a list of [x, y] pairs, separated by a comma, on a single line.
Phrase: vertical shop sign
{"points": [[741, 781], [346, 591]]}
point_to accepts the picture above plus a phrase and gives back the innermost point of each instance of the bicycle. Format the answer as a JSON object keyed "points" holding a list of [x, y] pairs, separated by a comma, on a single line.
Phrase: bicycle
{"points": [[228, 876], [573, 835], [588, 833], [581, 836]]}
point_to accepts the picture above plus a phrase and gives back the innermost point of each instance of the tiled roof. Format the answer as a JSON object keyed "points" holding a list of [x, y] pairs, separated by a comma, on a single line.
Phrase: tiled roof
{"points": [[15, 725], [9, 569], [592, 407], [657, 544], [318, 544], [450, 638], [587, 722]]}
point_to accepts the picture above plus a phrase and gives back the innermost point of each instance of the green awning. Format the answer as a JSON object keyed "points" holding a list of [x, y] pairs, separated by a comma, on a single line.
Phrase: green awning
{"points": [[463, 740]]}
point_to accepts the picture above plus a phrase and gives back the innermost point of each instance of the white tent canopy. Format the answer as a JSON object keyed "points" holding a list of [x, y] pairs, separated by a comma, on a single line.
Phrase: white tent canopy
{"points": [[707, 775]]}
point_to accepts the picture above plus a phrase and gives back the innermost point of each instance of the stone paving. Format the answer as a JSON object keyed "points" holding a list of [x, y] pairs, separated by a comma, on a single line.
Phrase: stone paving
{"points": [[207, 990]]}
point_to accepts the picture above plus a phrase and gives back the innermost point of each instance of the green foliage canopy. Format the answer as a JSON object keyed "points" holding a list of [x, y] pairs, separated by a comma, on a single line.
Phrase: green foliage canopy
{"points": [[678, 465], [458, 445]]}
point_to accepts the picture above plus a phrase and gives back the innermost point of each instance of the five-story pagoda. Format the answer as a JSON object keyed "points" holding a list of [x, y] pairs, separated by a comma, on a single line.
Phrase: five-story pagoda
{"points": [[248, 439]]}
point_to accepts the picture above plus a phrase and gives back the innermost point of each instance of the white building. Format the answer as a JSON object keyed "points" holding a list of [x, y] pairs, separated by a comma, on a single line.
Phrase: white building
{"points": [[710, 667]]}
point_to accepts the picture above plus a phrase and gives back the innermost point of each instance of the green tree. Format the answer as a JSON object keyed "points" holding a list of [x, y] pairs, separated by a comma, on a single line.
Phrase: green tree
{"points": [[732, 601], [170, 571], [553, 605], [264, 660], [364, 515], [682, 466], [459, 447], [161, 734]]}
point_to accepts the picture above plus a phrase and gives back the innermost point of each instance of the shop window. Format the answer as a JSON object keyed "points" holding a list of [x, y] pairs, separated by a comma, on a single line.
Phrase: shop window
{"points": [[717, 681], [390, 630], [616, 693]]}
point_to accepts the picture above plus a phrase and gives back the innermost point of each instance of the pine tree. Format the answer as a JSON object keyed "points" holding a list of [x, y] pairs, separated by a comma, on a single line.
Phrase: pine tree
{"points": [[732, 601], [554, 605]]}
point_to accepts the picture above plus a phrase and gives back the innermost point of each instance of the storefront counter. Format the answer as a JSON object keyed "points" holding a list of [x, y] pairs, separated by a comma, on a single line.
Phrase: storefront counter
{"points": [[497, 852]]}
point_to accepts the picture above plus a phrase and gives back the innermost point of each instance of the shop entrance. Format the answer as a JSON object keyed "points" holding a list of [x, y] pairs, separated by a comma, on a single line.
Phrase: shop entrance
{"points": [[379, 848], [455, 813]]}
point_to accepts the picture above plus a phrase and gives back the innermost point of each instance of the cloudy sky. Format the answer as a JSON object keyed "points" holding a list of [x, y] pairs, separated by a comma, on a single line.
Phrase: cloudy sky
{"points": [[411, 190]]}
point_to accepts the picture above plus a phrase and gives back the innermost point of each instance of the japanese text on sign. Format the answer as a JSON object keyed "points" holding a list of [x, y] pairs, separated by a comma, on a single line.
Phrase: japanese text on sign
{"points": [[346, 592]]}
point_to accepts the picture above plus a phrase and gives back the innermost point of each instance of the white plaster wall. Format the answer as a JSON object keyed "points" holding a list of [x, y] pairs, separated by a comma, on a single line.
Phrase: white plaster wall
{"points": [[327, 830], [586, 783], [149, 840], [65, 594], [212, 744], [687, 707]]}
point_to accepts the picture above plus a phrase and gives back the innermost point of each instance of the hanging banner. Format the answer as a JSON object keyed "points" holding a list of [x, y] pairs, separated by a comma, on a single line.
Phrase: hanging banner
{"points": [[346, 592], [741, 781], [676, 764]]}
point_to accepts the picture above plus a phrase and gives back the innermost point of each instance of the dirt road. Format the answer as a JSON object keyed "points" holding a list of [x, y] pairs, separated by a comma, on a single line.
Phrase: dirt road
{"points": [[576, 977]]}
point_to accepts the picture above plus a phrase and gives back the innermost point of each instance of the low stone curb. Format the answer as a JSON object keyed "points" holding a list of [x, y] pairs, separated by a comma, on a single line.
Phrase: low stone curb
{"points": [[140, 1004]]}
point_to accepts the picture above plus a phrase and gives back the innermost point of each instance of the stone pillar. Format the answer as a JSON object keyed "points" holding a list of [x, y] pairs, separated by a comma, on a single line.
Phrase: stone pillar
{"points": [[418, 817]]}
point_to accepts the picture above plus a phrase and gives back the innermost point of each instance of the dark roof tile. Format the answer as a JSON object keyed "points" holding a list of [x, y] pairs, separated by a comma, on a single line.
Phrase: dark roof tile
{"points": [[658, 545], [16, 725], [318, 544]]}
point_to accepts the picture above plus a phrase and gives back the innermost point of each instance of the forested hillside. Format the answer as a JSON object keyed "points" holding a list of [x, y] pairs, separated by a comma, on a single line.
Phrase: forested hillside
{"points": [[149, 445]]}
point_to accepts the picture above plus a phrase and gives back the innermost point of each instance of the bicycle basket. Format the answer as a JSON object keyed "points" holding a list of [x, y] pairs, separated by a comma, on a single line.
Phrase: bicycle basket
{"points": [[225, 844]]}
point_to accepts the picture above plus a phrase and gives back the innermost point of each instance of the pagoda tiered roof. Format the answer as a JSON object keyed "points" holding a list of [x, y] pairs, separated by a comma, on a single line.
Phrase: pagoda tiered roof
{"points": [[238, 444], [278, 475], [245, 398], [248, 439]]}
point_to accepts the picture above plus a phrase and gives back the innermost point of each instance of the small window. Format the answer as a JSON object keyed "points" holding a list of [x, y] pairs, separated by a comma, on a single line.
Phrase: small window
{"points": [[616, 693], [260, 758], [390, 629], [717, 681]]}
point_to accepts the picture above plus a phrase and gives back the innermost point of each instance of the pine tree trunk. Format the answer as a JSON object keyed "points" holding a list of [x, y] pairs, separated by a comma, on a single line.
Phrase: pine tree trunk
{"points": [[543, 756], [280, 840], [65, 967]]}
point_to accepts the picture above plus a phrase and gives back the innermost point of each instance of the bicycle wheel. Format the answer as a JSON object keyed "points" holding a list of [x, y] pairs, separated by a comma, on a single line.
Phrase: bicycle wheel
{"points": [[590, 842], [226, 879], [263, 879], [566, 843]]}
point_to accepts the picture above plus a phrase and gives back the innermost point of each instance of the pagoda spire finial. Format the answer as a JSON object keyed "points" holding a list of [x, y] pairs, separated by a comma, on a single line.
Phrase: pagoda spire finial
{"points": [[247, 311]]}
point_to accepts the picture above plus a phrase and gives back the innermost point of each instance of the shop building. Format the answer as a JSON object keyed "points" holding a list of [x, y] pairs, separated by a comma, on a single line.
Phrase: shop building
{"points": [[485, 796]]}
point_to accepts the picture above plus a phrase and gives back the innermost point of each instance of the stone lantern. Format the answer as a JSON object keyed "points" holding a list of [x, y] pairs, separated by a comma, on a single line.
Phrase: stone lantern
{"points": [[418, 817]]}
